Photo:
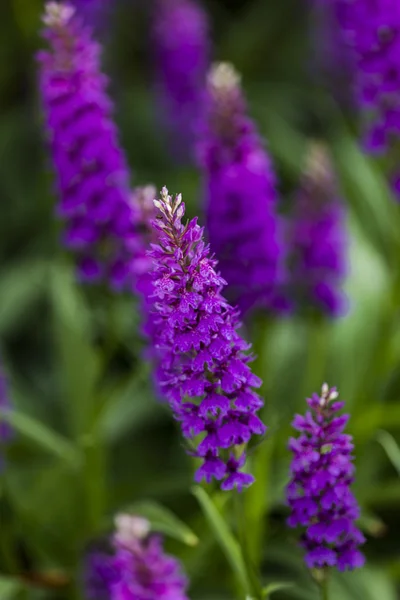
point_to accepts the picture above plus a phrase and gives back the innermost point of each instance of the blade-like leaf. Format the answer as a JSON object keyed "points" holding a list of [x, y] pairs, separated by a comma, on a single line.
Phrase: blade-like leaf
{"points": [[164, 521], [42, 436], [391, 448], [276, 587], [224, 536]]}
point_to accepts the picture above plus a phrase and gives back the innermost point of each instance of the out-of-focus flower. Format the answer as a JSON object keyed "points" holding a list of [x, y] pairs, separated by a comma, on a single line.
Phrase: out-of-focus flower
{"points": [[95, 12], [319, 492], [371, 33], [5, 429], [203, 367], [138, 568], [92, 174], [317, 238], [240, 187], [180, 40]]}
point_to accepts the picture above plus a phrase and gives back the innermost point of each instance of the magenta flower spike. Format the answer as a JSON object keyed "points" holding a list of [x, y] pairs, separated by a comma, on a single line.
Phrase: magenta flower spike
{"points": [[203, 362], [319, 494], [317, 239], [241, 198], [181, 55], [137, 569], [91, 171], [5, 429], [371, 33]]}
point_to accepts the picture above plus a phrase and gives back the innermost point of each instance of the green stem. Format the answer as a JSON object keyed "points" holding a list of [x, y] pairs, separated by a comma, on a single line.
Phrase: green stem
{"points": [[94, 482], [254, 590], [324, 589]]}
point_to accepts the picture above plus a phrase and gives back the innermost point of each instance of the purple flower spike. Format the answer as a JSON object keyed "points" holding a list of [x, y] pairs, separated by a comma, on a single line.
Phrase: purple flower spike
{"points": [[317, 238], [319, 492], [94, 12], [92, 175], [181, 55], [138, 568], [5, 429], [203, 362], [242, 224], [371, 33]]}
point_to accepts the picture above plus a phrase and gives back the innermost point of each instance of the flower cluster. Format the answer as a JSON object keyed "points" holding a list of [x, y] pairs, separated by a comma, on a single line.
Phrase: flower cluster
{"points": [[371, 31], [317, 238], [203, 369], [138, 568], [242, 223], [5, 429], [181, 56], [93, 11], [319, 492], [92, 175]]}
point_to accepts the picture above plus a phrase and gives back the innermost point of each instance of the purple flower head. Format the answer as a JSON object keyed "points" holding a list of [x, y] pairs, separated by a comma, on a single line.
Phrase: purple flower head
{"points": [[203, 362], [242, 224], [181, 55], [319, 492], [5, 429], [138, 568], [92, 175], [317, 238], [95, 12], [371, 32]]}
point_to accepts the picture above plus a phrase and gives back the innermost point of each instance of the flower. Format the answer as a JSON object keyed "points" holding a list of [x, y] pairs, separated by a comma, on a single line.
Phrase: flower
{"points": [[371, 32], [93, 11], [203, 362], [137, 569], [92, 175], [5, 429], [319, 492], [181, 59], [240, 187], [317, 238]]}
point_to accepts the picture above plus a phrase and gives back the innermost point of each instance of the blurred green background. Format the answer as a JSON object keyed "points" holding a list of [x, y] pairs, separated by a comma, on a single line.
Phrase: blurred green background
{"points": [[92, 440]]}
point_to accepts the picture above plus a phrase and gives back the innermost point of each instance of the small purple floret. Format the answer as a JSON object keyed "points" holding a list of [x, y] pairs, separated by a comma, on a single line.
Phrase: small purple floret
{"points": [[319, 492], [203, 362]]}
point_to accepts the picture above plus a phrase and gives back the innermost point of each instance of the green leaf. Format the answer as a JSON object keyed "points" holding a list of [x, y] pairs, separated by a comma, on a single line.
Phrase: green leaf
{"points": [[80, 362], [224, 536], [164, 521], [43, 436], [276, 587], [391, 448], [9, 588], [20, 287]]}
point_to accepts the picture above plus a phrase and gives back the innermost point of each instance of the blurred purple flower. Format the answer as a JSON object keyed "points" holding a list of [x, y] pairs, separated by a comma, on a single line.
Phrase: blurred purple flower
{"points": [[181, 55], [92, 174], [203, 370], [5, 429], [138, 569], [243, 227], [317, 239], [95, 12], [371, 32], [319, 492]]}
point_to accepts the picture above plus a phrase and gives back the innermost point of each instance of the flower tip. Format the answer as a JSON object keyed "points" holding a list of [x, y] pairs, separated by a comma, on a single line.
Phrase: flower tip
{"points": [[131, 527], [58, 14], [223, 77]]}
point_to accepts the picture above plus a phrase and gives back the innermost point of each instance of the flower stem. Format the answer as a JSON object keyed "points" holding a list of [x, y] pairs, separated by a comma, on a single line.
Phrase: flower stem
{"points": [[324, 589], [254, 584]]}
